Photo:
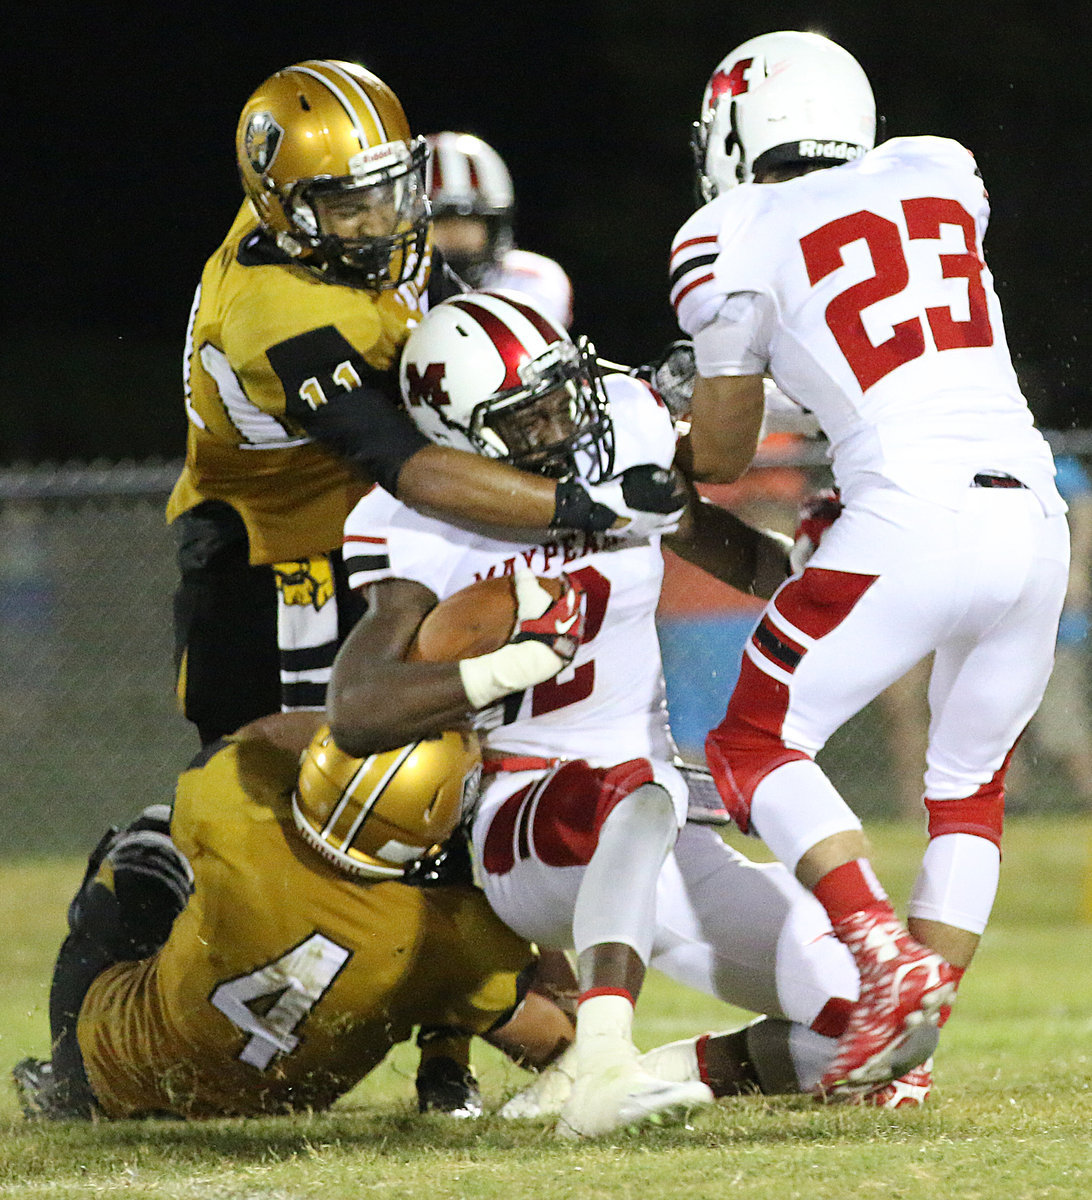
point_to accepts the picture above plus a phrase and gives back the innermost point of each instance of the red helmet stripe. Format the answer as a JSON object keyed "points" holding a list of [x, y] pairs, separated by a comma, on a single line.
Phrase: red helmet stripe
{"points": [[542, 326], [512, 351]]}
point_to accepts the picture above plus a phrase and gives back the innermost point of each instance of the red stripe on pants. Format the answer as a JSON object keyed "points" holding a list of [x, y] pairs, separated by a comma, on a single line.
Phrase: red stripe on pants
{"points": [[747, 745]]}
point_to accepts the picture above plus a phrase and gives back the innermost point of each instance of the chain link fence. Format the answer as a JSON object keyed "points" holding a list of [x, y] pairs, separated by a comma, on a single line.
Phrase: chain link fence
{"points": [[89, 730]]}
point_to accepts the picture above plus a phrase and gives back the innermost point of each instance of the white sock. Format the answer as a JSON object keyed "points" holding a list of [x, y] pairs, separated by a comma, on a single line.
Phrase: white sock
{"points": [[604, 1029], [676, 1062], [957, 882], [795, 807]]}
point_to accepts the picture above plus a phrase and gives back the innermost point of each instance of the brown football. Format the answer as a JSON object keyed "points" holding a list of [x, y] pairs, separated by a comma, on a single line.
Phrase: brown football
{"points": [[473, 621]]}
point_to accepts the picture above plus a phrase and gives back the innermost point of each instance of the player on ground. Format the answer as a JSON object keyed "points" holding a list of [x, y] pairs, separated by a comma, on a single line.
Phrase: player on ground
{"points": [[473, 204], [582, 802], [292, 400], [260, 950], [854, 277]]}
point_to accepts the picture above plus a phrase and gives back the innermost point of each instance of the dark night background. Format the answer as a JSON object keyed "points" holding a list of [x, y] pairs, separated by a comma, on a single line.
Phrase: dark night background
{"points": [[121, 177]]}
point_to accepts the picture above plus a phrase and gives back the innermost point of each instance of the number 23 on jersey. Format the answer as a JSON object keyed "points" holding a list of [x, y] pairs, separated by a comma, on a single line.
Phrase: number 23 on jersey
{"points": [[925, 217]]}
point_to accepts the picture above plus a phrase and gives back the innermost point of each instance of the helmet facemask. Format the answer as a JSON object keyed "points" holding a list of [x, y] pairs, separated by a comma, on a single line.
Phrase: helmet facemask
{"points": [[557, 423], [385, 193]]}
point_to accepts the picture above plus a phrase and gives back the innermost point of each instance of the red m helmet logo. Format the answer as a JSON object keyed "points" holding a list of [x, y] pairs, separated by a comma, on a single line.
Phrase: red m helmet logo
{"points": [[731, 82], [427, 387]]}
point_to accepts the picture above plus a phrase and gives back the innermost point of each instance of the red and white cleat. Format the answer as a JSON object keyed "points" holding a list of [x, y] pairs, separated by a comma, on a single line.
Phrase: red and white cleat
{"points": [[911, 1091], [904, 988]]}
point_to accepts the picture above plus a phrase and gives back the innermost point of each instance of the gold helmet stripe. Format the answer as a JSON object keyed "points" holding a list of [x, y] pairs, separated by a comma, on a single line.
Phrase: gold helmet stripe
{"points": [[344, 100], [373, 799]]}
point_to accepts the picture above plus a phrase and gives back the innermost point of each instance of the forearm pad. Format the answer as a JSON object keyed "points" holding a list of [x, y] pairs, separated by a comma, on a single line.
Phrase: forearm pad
{"points": [[512, 668]]}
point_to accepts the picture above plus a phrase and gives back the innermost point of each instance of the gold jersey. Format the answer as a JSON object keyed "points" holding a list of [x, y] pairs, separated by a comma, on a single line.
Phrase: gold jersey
{"points": [[269, 343], [283, 982]]}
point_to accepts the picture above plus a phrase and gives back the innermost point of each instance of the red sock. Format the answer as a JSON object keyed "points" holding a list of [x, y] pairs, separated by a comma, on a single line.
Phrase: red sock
{"points": [[700, 1047], [849, 888], [606, 991], [946, 1011]]}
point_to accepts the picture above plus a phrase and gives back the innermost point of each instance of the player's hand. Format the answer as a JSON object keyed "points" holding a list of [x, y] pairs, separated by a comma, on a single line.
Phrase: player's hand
{"points": [[673, 375], [544, 641], [646, 500], [557, 624], [817, 514], [636, 504]]}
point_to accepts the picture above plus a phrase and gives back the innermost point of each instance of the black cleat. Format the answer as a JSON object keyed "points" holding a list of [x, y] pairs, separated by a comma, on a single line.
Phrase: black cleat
{"points": [[40, 1096], [445, 1087]]}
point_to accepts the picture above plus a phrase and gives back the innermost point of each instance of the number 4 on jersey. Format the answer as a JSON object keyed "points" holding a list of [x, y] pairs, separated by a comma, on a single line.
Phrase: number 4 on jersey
{"points": [[297, 980], [924, 217]]}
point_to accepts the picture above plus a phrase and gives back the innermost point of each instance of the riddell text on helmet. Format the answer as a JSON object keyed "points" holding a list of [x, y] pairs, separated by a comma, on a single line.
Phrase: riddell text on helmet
{"points": [[809, 148]]}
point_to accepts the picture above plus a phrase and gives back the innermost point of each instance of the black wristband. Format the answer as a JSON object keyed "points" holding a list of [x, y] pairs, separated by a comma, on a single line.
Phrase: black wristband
{"points": [[575, 509]]}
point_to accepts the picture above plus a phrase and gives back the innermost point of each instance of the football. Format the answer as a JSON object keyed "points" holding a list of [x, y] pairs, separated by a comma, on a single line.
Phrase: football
{"points": [[474, 621]]}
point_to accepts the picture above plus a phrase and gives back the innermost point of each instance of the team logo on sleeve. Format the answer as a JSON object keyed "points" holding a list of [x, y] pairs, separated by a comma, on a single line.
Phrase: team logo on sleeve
{"points": [[262, 140]]}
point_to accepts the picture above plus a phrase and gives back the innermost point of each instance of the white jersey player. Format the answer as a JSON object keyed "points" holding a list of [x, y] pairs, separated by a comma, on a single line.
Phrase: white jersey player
{"points": [[854, 277], [470, 190], [582, 799]]}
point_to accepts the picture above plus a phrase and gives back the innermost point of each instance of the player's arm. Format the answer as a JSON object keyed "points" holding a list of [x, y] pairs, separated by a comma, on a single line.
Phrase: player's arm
{"points": [[377, 701], [375, 435], [731, 354], [350, 407], [751, 560], [725, 423]]}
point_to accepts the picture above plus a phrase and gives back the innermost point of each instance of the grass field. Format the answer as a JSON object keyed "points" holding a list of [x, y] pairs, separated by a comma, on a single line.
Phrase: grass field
{"points": [[1010, 1118]]}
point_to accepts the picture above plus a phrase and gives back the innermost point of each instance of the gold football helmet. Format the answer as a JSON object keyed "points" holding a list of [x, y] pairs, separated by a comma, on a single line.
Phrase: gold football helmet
{"points": [[328, 161], [378, 815]]}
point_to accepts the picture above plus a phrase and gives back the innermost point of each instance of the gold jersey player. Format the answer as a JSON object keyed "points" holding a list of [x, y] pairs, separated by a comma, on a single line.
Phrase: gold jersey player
{"points": [[266, 954], [292, 404]]}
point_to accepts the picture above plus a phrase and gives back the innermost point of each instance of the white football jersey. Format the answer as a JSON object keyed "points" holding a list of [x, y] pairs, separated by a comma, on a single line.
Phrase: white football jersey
{"points": [[608, 705], [863, 292], [541, 279]]}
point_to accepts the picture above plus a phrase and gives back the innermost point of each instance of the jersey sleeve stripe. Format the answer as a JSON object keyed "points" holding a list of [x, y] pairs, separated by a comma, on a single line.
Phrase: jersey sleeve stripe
{"points": [[359, 537], [708, 239], [677, 298], [367, 562], [704, 260]]}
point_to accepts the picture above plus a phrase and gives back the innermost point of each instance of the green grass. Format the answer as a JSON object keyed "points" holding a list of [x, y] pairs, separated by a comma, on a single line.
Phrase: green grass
{"points": [[1011, 1116]]}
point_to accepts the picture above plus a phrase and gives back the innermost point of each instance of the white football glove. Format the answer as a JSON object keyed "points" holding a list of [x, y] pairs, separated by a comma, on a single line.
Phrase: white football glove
{"points": [[544, 641]]}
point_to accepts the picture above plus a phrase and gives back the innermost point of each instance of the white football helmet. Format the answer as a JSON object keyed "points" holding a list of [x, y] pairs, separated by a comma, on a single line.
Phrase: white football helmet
{"points": [[466, 177], [488, 372], [781, 98]]}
